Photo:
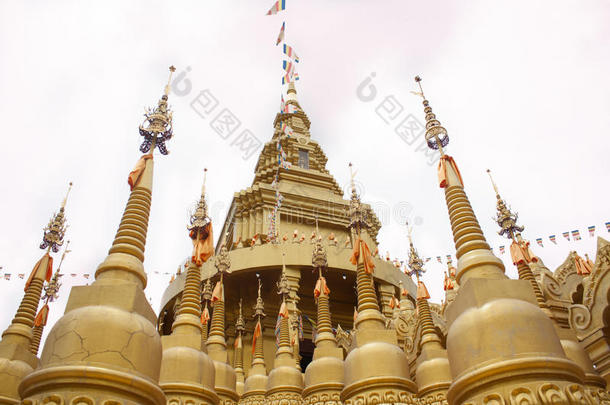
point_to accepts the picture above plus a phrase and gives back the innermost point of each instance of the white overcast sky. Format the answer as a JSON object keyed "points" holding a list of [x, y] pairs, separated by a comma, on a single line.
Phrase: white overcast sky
{"points": [[521, 86]]}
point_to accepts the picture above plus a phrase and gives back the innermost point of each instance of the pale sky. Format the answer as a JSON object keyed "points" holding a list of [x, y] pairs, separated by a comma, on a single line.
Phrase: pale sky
{"points": [[522, 87]]}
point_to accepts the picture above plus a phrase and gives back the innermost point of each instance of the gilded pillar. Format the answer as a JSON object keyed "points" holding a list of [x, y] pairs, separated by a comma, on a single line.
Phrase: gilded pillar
{"points": [[255, 385], [187, 373], [324, 375], [514, 352], [388, 380], [285, 382]]}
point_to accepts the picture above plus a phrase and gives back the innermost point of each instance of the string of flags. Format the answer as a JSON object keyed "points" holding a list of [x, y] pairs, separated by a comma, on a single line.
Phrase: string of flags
{"points": [[290, 75], [8, 276]]}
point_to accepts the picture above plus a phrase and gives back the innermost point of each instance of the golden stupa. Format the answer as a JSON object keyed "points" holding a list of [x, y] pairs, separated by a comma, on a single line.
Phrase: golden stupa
{"points": [[294, 305]]}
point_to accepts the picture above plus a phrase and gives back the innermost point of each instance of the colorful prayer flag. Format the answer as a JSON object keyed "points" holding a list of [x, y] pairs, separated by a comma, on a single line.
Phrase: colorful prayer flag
{"points": [[21, 275], [288, 67], [566, 235], [608, 226], [539, 242], [427, 259], [288, 51], [592, 231], [553, 239], [501, 250], [438, 259], [7, 276], [72, 274], [576, 234], [448, 258], [290, 78], [280, 37], [286, 129], [279, 5], [86, 275]]}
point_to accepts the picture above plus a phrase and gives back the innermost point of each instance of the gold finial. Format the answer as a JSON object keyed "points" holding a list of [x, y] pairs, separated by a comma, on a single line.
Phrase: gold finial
{"points": [[53, 236], [416, 264], [199, 219], [157, 126], [358, 215], [436, 136], [63, 203], [283, 287], [259, 308], [172, 69], [206, 294], [51, 290], [240, 325], [505, 218]]}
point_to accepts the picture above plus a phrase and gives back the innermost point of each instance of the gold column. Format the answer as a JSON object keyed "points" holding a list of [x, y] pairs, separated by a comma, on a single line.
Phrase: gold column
{"points": [[514, 354], [384, 381], [16, 357], [255, 385], [226, 379], [523, 257], [324, 375], [432, 371], [285, 382], [187, 373], [106, 346], [238, 360]]}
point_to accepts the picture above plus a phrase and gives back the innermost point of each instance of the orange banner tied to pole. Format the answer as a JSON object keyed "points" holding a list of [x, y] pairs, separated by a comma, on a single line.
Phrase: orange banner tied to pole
{"points": [[321, 287], [366, 257], [442, 171], [203, 244], [136, 174], [37, 267]]}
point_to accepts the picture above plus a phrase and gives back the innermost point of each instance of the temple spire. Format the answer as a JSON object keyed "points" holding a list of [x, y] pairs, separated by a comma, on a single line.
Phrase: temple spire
{"points": [[50, 294], [238, 355], [206, 297], [436, 135], [121, 274]]}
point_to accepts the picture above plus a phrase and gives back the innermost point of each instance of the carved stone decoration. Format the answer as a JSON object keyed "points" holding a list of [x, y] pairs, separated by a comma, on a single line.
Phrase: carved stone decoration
{"points": [[580, 317]]}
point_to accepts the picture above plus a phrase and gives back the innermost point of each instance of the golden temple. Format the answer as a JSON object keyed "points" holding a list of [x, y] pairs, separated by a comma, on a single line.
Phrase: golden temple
{"points": [[294, 305]]}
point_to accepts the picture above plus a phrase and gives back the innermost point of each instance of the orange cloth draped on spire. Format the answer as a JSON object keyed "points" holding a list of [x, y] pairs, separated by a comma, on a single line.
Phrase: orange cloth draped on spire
{"points": [[258, 331], [238, 343], [48, 271], [367, 258], [321, 287], [203, 249], [442, 171], [394, 303], [283, 310], [582, 267], [205, 315], [404, 292], [449, 284], [218, 293], [136, 173], [422, 291], [355, 314], [521, 252], [43, 314]]}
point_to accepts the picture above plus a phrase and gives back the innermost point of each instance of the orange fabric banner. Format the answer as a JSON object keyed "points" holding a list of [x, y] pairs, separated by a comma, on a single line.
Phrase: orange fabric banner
{"points": [[203, 249], [442, 171], [136, 173], [48, 271], [321, 287], [283, 310], [521, 252], [422, 291], [238, 343], [355, 314], [218, 293], [258, 331], [43, 314], [394, 303], [404, 292], [582, 267], [205, 315], [367, 258]]}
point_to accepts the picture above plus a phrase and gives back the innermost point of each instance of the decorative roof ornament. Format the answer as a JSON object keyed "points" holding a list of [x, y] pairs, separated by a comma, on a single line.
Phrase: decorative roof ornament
{"points": [[240, 324], [54, 232], [357, 213], [206, 294], [157, 126], [199, 219], [506, 219], [416, 264], [318, 258], [51, 290], [259, 308], [283, 288], [436, 135], [223, 261]]}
